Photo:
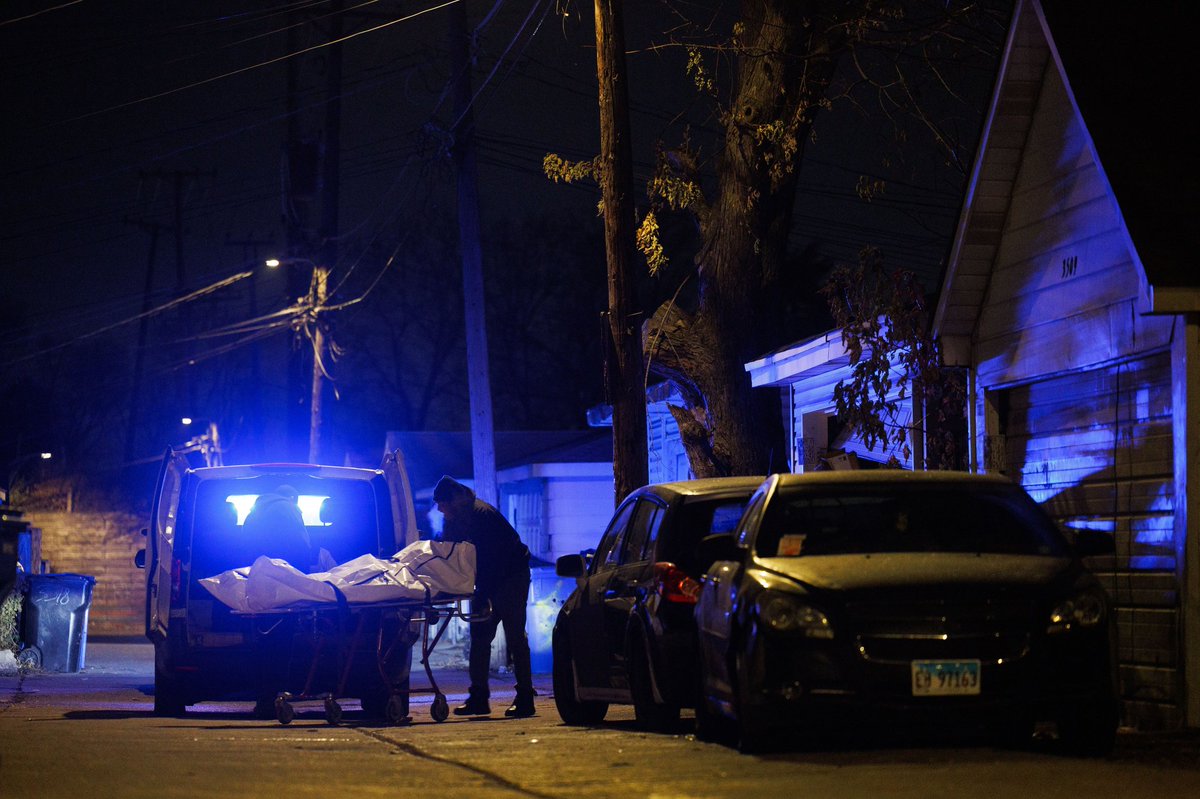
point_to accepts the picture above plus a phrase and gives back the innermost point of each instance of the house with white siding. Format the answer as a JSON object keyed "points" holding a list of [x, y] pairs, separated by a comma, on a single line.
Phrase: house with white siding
{"points": [[1071, 300], [555, 487], [806, 374], [1072, 304]]}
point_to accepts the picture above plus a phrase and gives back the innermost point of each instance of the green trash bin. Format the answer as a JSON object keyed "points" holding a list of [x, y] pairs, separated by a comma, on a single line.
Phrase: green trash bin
{"points": [[55, 621]]}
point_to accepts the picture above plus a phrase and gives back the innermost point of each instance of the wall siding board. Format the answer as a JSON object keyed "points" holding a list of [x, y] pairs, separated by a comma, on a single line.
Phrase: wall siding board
{"points": [[1096, 449], [1049, 295]]}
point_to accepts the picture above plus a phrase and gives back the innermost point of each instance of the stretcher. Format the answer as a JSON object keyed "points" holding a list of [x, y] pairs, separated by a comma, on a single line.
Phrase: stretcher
{"points": [[360, 650]]}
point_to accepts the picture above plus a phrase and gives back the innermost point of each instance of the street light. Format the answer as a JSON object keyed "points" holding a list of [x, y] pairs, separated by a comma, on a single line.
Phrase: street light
{"points": [[14, 467], [310, 320]]}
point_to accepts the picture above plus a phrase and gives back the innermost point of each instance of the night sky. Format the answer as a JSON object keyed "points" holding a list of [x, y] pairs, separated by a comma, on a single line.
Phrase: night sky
{"points": [[120, 114]]}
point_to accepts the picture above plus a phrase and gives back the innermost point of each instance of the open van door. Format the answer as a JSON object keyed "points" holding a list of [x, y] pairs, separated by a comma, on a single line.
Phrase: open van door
{"points": [[161, 574], [404, 514]]}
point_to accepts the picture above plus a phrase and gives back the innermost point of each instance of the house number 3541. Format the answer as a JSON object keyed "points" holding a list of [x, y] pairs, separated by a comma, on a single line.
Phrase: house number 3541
{"points": [[1069, 265]]}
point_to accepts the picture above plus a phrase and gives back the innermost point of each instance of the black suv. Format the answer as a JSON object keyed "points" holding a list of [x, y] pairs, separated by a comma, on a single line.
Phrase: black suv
{"points": [[627, 633]]}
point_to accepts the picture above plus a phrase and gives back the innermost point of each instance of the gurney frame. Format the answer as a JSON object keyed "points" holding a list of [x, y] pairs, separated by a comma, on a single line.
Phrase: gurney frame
{"points": [[343, 627]]}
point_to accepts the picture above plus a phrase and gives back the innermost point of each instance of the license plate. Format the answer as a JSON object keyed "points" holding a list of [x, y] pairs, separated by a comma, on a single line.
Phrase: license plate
{"points": [[945, 677]]}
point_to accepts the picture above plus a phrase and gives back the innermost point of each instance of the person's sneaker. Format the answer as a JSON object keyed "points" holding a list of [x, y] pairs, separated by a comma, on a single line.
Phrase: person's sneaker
{"points": [[522, 707], [474, 706]]}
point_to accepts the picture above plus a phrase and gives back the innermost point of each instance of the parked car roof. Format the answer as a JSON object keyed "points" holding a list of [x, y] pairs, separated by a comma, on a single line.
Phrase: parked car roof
{"points": [[892, 475], [706, 486]]}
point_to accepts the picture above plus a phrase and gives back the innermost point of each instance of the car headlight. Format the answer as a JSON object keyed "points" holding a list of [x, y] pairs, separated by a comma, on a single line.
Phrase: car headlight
{"points": [[785, 613], [1085, 609]]}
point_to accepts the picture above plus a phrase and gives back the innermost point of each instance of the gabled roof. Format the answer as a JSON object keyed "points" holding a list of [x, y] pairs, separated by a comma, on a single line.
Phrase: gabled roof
{"points": [[1114, 62]]}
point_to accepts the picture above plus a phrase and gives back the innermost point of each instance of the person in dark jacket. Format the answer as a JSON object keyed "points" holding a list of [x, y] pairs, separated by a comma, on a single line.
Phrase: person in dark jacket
{"points": [[275, 528], [501, 578]]}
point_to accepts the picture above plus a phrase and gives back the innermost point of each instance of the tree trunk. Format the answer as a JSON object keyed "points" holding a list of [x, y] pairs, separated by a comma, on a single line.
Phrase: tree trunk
{"points": [[786, 60]]}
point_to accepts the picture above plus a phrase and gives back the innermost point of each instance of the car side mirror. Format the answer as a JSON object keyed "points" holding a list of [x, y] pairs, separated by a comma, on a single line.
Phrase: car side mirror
{"points": [[139, 559], [1093, 543], [570, 566], [715, 547]]}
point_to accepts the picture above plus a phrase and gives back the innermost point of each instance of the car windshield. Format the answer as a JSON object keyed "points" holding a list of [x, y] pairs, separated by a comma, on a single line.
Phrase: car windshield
{"points": [[869, 519]]}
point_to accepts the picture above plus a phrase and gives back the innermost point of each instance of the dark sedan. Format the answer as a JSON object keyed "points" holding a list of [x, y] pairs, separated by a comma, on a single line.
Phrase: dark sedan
{"points": [[904, 596], [627, 633]]}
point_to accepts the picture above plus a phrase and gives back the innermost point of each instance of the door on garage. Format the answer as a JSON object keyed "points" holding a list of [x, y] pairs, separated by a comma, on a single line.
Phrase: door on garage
{"points": [[1095, 448]]}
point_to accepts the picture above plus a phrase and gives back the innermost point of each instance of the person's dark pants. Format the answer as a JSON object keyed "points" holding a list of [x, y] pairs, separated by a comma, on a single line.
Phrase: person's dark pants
{"points": [[508, 609]]}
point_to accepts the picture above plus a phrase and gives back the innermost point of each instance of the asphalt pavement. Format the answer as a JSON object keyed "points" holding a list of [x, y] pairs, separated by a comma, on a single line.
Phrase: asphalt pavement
{"points": [[131, 661]]}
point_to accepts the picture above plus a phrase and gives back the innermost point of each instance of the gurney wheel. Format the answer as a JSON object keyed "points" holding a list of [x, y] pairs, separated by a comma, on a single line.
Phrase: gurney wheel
{"points": [[284, 711], [440, 709], [333, 711], [397, 712]]}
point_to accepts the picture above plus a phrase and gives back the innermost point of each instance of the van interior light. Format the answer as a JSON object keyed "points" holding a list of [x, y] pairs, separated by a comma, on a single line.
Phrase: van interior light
{"points": [[310, 507]]}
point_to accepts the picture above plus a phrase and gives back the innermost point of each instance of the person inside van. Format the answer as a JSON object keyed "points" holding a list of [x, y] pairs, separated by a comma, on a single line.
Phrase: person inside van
{"points": [[275, 527]]}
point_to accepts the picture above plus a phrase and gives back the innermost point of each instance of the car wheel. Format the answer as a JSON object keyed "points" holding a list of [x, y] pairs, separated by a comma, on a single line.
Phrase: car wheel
{"points": [[573, 711], [711, 726], [264, 707], [750, 735], [1089, 729], [650, 715], [374, 699], [168, 696], [1013, 730]]}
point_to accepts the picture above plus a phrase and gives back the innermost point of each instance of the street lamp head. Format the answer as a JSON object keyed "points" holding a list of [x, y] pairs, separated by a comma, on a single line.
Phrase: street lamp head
{"points": [[46, 455], [274, 263]]}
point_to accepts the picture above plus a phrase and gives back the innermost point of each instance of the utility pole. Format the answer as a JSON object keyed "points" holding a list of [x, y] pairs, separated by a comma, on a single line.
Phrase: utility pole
{"points": [[483, 447], [623, 372], [317, 295], [139, 355], [313, 175], [179, 180], [254, 393]]}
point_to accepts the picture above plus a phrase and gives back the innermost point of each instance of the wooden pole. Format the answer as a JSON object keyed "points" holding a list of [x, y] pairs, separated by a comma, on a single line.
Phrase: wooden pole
{"points": [[624, 380]]}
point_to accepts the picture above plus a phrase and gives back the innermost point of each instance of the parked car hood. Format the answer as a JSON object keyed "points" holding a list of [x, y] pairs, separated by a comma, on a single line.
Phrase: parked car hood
{"points": [[898, 570]]}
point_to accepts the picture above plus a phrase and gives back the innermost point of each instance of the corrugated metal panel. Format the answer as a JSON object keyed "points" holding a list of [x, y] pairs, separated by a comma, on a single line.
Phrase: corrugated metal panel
{"points": [[1095, 448]]}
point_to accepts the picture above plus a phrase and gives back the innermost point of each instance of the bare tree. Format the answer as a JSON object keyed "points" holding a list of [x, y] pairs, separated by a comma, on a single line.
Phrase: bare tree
{"points": [[772, 76]]}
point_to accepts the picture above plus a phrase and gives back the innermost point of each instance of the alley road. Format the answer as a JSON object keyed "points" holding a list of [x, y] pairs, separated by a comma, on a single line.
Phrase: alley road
{"points": [[74, 736]]}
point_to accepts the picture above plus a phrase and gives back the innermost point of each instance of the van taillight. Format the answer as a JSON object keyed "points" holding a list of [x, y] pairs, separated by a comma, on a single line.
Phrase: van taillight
{"points": [[176, 580], [674, 584]]}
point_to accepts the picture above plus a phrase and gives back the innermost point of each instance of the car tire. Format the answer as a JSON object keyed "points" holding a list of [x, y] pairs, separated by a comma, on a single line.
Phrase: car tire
{"points": [[750, 736], [710, 726], [1089, 729], [573, 711], [651, 715], [375, 700], [168, 695], [1013, 730]]}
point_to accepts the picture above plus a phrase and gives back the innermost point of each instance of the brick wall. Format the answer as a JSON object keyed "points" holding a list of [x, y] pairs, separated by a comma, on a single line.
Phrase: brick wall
{"points": [[101, 545]]}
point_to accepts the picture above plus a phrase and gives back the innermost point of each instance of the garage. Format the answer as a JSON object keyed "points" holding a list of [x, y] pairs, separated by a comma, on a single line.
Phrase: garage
{"points": [[1095, 448]]}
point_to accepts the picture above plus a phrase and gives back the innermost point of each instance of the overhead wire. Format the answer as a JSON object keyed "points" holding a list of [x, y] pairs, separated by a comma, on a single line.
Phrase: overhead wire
{"points": [[195, 295], [252, 67]]}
